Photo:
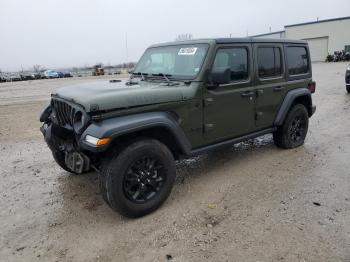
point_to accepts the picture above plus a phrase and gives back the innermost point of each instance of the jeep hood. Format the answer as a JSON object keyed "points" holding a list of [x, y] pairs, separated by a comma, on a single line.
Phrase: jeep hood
{"points": [[108, 95]]}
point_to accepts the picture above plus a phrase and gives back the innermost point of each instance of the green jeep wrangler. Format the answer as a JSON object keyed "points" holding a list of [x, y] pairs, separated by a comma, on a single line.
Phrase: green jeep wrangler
{"points": [[182, 99]]}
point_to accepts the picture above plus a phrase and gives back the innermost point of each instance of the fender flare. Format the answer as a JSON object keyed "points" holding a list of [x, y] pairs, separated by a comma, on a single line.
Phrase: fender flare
{"points": [[288, 101], [115, 127]]}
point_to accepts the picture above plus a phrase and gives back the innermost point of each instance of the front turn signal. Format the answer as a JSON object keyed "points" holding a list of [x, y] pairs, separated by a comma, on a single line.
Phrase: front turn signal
{"points": [[97, 141]]}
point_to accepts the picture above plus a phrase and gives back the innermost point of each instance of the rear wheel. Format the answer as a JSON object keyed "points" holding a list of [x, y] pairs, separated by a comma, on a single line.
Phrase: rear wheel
{"points": [[294, 129], [139, 179]]}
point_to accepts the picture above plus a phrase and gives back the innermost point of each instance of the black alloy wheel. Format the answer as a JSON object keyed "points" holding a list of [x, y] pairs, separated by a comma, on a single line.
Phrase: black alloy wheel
{"points": [[294, 129], [297, 128], [144, 179], [136, 178]]}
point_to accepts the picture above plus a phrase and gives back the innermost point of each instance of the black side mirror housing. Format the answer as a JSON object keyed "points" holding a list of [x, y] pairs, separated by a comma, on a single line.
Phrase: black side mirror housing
{"points": [[220, 76]]}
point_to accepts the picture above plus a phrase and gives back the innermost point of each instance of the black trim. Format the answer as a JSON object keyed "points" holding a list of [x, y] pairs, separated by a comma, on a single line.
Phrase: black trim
{"points": [[118, 126], [288, 101], [231, 141]]}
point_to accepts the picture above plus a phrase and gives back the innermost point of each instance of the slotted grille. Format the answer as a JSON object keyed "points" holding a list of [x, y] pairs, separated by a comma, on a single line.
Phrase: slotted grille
{"points": [[64, 112]]}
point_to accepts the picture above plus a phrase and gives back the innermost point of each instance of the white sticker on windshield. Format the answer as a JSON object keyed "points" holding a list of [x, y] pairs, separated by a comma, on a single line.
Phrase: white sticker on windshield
{"points": [[187, 51]]}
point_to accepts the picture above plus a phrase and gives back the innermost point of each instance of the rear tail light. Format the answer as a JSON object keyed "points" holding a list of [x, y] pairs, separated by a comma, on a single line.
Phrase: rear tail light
{"points": [[312, 87]]}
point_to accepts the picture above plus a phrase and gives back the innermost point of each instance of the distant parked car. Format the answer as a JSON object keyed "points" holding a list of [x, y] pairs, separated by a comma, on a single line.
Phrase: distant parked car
{"points": [[68, 74], [37, 75], [347, 79], [14, 77], [27, 76], [50, 74], [60, 74]]}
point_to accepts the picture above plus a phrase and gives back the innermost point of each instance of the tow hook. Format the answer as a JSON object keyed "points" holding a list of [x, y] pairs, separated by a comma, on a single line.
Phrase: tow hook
{"points": [[77, 162]]}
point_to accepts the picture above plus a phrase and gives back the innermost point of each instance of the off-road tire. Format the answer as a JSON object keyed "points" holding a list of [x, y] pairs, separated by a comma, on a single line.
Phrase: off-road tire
{"points": [[115, 171], [294, 129]]}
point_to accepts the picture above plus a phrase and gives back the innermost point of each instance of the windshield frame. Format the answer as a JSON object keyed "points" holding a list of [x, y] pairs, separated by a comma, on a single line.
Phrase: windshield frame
{"points": [[176, 77]]}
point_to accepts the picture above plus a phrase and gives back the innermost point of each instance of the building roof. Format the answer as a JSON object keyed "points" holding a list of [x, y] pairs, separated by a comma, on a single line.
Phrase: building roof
{"points": [[319, 21], [271, 33]]}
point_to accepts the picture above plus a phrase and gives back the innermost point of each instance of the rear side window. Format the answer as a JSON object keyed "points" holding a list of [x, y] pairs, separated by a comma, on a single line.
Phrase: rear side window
{"points": [[269, 62], [298, 62], [236, 59]]}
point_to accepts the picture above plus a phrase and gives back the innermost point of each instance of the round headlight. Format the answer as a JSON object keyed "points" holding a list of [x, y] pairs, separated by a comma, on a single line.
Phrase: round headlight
{"points": [[79, 121]]}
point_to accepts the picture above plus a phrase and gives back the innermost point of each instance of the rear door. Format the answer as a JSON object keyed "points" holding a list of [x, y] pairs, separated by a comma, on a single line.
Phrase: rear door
{"points": [[229, 109], [270, 82]]}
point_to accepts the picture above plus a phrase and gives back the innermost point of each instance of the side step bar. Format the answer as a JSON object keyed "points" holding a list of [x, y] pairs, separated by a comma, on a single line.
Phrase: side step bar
{"points": [[236, 140]]}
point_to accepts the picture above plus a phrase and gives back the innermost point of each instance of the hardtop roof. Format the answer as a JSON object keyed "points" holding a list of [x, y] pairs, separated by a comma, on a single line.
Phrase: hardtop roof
{"points": [[231, 41]]}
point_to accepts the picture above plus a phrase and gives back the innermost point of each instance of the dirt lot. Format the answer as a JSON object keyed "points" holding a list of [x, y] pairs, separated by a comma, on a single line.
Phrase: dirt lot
{"points": [[250, 202]]}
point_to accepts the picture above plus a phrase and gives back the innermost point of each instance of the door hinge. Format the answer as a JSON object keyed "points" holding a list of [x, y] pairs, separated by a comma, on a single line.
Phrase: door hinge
{"points": [[258, 115], [208, 101], [208, 127]]}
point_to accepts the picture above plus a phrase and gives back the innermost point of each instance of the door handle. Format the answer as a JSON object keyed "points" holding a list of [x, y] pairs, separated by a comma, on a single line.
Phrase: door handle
{"points": [[278, 88], [247, 94]]}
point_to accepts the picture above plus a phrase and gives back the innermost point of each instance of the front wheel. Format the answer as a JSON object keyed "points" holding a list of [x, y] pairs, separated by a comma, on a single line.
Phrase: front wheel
{"points": [[139, 179], [348, 89], [294, 129]]}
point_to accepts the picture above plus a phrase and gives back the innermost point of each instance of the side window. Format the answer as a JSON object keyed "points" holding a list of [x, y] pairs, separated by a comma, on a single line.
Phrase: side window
{"points": [[236, 59], [269, 62], [298, 62]]}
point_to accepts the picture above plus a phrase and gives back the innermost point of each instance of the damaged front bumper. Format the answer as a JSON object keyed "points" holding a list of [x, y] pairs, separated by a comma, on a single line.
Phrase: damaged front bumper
{"points": [[61, 141]]}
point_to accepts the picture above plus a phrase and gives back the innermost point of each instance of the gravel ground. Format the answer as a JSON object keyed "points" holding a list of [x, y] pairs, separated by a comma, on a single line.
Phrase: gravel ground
{"points": [[249, 202]]}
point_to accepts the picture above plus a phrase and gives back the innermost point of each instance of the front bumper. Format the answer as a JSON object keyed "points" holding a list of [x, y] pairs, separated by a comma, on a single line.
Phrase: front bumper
{"points": [[75, 160]]}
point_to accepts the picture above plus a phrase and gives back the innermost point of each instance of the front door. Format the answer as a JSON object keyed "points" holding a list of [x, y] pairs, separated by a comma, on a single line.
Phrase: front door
{"points": [[229, 109]]}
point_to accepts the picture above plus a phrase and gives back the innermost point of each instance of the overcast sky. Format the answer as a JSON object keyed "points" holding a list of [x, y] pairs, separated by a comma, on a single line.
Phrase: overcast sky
{"points": [[64, 33]]}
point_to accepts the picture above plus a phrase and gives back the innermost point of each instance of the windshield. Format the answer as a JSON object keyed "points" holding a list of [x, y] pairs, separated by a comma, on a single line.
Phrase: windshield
{"points": [[176, 62]]}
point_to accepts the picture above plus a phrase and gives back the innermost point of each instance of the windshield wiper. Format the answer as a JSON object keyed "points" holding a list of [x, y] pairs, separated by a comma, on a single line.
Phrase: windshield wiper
{"points": [[143, 78], [166, 77], [130, 82]]}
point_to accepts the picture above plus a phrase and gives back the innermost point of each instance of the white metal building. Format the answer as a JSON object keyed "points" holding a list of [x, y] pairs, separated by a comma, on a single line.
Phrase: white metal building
{"points": [[324, 36]]}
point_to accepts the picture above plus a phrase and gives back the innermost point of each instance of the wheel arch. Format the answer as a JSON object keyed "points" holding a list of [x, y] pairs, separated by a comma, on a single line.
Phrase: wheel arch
{"points": [[162, 126], [296, 96]]}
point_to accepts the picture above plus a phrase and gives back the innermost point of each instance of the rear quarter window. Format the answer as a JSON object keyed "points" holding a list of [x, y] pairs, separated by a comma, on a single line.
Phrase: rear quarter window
{"points": [[298, 62]]}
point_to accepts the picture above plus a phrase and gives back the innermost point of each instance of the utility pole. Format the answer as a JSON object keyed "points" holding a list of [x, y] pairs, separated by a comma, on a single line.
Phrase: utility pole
{"points": [[126, 47]]}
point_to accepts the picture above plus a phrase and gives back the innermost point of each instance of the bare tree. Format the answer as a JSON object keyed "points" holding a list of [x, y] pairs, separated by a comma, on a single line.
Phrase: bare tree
{"points": [[37, 68], [184, 37]]}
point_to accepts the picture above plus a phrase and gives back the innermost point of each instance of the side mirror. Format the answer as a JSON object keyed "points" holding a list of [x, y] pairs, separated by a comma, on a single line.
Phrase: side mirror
{"points": [[220, 75]]}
